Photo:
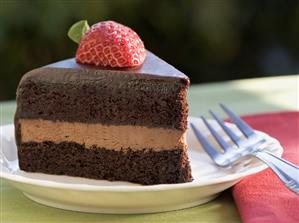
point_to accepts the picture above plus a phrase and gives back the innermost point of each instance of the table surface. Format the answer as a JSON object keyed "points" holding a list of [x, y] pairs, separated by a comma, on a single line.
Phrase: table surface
{"points": [[245, 97]]}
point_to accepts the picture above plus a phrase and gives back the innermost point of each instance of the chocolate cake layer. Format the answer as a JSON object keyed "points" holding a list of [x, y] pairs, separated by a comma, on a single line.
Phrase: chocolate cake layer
{"points": [[152, 95], [113, 137], [143, 166]]}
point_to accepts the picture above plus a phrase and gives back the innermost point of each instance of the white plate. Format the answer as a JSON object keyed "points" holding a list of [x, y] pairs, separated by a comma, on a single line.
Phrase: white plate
{"points": [[100, 196]]}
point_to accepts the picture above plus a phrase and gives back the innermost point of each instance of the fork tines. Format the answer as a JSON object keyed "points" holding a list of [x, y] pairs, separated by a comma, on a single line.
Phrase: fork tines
{"points": [[247, 131]]}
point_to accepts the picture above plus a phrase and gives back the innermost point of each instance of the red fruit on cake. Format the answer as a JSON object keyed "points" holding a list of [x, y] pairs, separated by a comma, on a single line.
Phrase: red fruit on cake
{"points": [[111, 44]]}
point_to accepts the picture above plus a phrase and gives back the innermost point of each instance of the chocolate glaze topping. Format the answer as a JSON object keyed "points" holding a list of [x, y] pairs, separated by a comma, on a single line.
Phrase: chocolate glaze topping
{"points": [[153, 66]]}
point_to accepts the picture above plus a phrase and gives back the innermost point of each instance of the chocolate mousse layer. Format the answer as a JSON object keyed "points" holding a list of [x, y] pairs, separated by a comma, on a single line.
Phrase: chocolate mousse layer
{"points": [[113, 137]]}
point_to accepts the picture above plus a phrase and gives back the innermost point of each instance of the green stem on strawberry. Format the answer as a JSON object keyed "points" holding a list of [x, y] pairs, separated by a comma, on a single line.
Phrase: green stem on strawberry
{"points": [[78, 30]]}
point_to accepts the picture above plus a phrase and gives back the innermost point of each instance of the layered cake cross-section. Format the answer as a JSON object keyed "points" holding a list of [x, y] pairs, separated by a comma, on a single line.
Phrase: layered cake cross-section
{"points": [[124, 124]]}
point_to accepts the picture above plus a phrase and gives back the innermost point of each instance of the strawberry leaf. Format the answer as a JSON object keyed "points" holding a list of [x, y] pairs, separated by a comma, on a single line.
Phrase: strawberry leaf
{"points": [[77, 31]]}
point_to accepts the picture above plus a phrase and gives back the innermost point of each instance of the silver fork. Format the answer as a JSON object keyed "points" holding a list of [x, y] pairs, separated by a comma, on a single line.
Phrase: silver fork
{"points": [[251, 145]]}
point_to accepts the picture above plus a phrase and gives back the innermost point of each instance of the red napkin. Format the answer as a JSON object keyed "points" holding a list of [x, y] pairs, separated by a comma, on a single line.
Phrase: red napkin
{"points": [[263, 197]]}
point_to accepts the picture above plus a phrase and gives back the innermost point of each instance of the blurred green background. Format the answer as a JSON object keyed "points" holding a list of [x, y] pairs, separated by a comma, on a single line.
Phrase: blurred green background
{"points": [[209, 40]]}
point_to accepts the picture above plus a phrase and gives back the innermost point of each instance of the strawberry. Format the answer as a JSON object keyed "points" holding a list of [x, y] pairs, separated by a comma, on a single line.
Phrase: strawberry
{"points": [[107, 43]]}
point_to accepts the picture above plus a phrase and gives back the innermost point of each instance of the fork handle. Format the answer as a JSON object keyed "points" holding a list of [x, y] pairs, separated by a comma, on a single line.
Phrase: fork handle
{"points": [[286, 171]]}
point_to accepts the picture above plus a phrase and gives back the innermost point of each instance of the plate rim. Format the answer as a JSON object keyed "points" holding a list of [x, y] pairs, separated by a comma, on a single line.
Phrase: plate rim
{"points": [[141, 188]]}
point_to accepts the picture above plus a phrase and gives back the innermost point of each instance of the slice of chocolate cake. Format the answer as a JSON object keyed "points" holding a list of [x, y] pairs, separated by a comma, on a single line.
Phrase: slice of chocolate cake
{"points": [[114, 124]]}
